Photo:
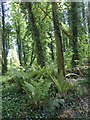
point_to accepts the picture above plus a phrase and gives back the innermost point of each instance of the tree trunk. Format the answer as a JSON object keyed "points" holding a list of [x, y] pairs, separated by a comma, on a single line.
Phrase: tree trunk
{"points": [[88, 17], [51, 46], [60, 58], [83, 15], [4, 55], [0, 45], [18, 34], [75, 56], [32, 55], [24, 54], [88, 87], [36, 33], [19, 43]]}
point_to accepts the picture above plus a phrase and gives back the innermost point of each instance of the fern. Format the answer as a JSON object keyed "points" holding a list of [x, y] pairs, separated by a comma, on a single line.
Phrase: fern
{"points": [[61, 84], [37, 91]]}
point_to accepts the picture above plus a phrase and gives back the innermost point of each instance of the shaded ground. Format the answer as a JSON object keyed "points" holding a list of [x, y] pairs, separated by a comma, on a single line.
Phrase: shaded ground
{"points": [[72, 105], [16, 105]]}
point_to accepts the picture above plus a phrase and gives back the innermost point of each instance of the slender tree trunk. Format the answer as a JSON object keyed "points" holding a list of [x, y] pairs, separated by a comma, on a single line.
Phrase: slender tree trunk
{"points": [[75, 56], [88, 17], [60, 58], [69, 23], [7, 44], [19, 43], [83, 14], [24, 54], [32, 55], [84, 22], [0, 43], [88, 88], [4, 55], [51, 46], [36, 33]]}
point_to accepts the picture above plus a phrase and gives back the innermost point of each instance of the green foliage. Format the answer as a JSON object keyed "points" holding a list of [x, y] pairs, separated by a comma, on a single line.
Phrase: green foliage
{"points": [[15, 76], [37, 79], [36, 72], [37, 75], [81, 87], [37, 91], [5, 79], [61, 84], [15, 105], [55, 104], [83, 82], [67, 60], [81, 91], [39, 85], [29, 88], [83, 52]]}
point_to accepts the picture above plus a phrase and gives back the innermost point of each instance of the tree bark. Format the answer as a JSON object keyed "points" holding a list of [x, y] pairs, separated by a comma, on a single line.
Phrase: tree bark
{"points": [[88, 17], [58, 38], [36, 34], [51, 46], [24, 55], [75, 56], [4, 54], [84, 14], [19, 43], [88, 77]]}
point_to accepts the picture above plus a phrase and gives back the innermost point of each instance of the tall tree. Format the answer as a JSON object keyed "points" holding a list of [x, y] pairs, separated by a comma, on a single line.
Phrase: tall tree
{"points": [[17, 23], [84, 14], [36, 35], [74, 18], [51, 45], [19, 29], [0, 44], [58, 38], [89, 19], [4, 54], [89, 30], [19, 43]]}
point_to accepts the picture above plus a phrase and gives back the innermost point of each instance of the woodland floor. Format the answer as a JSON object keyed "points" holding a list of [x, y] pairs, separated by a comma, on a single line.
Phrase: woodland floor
{"points": [[15, 105]]}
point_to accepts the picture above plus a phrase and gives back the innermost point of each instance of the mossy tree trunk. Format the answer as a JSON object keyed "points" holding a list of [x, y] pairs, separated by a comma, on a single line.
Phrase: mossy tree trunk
{"points": [[19, 42], [36, 36], [89, 21], [88, 77], [51, 46], [75, 56], [4, 54], [58, 38], [88, 17]]}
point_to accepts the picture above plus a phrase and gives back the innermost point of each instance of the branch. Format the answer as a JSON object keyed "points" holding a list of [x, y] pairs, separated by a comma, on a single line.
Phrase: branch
{"points": [[45, 12], [66, 30]]}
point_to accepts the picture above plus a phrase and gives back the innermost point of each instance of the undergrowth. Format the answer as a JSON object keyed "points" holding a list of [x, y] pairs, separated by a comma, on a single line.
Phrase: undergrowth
{"points": [[37, 90]]}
